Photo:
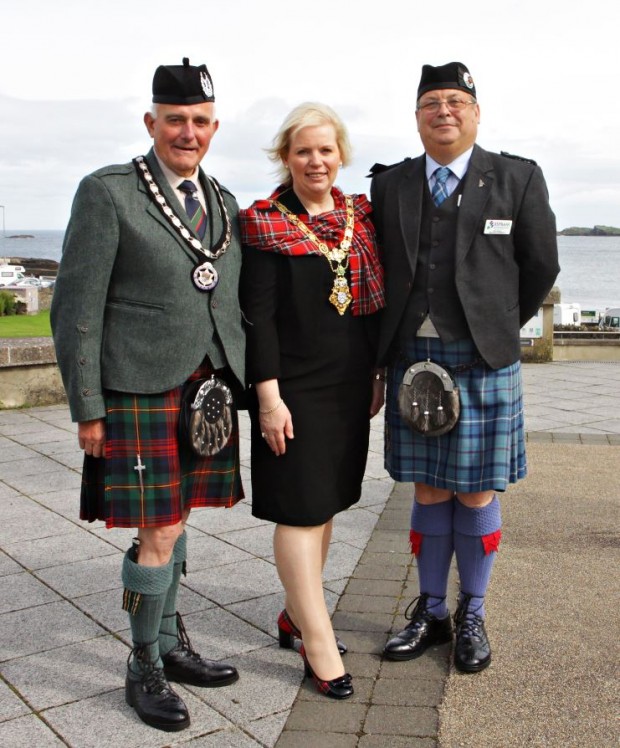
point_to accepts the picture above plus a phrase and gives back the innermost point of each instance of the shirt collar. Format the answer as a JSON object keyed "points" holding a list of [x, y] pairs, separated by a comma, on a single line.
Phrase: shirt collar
{"points": [[458, 167], [173, 179]]}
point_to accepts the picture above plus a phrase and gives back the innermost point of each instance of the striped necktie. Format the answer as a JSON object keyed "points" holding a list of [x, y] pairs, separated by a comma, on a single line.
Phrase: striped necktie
{"points": [[440, 191], [194, 209]]}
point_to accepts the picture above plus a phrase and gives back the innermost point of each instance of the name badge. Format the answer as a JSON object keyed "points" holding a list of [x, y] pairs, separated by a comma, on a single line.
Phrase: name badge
{"points": [[497, 226]]}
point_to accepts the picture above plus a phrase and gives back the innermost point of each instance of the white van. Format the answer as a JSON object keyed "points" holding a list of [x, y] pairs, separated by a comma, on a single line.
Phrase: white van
{"points": [[10, 274], [610, 318]]}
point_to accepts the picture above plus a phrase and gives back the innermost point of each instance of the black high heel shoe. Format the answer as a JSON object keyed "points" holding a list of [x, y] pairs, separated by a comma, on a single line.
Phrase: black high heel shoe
{"points": [[288, 632], [338, 688]]}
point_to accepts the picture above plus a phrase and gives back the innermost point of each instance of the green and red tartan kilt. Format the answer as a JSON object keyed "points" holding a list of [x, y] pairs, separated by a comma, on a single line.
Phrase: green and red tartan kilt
{"points": [[173, 479]]}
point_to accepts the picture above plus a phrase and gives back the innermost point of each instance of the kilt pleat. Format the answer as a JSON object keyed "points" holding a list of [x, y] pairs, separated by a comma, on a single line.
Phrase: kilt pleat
{"points": [[486, 449], [142, 441]]}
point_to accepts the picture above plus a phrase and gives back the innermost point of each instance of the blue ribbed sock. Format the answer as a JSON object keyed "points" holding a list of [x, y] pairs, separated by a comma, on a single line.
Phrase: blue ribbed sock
{"points": [[476, 539], [433, 551]]}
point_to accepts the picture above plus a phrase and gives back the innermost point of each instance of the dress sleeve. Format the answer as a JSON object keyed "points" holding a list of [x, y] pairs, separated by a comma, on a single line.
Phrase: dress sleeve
{"points": [[259, 301]]}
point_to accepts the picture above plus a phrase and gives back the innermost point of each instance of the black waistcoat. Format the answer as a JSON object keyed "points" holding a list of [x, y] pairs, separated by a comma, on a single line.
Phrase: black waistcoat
{"points": [[434, 289]]}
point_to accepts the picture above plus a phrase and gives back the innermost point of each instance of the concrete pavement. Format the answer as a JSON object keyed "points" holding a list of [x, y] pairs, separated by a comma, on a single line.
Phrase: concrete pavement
{"points": [[551, 611]]}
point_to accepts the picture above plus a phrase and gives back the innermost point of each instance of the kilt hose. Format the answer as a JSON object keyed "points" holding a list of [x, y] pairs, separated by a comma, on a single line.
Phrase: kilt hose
{"points": [[147, 478], [485, 451]]}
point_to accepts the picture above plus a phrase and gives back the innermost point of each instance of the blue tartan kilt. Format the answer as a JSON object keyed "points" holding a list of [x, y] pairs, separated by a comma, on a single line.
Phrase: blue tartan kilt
{"points": [[485, 451]]}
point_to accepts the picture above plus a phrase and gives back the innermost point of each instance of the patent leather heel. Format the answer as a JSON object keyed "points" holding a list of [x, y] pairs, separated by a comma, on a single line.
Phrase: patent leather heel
{"points": [[338, 688], [288, 632]]}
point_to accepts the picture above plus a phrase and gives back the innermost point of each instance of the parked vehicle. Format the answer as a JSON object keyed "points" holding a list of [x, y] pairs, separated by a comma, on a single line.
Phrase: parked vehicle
{"points": [[567, 314], [10, 274], [29, 281], [610, 318]]}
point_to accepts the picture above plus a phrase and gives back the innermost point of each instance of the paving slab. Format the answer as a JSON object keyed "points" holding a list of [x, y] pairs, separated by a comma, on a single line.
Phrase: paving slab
{"points": [[65, 637]]}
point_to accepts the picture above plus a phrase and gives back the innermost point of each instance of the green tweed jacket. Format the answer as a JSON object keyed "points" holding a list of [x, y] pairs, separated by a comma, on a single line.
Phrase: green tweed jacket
{"points": [[125, 313]]}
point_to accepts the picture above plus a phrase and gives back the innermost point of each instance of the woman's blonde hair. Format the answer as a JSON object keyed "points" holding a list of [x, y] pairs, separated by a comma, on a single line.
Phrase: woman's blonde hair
{"points": [[308, 114]]}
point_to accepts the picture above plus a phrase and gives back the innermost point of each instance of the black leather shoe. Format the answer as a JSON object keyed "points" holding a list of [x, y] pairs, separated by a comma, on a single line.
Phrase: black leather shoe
{"points": [[155, 702], [423, 631], [184, 665], [472, 652]]}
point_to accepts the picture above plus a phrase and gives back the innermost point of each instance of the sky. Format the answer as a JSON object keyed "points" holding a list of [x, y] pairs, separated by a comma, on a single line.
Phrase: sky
{"points": [[75, 80]]}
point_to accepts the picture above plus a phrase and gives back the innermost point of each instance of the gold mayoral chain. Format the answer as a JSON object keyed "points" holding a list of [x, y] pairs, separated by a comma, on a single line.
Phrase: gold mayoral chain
{"points": [[338, 257]]}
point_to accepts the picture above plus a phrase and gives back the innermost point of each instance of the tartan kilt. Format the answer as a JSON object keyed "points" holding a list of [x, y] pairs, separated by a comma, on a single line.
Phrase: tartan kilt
{"points": [[485, 451], [174, 477]]}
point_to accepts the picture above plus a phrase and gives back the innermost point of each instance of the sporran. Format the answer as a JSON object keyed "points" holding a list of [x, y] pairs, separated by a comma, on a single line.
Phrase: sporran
{"points": [[206, 420], [428, 399]]}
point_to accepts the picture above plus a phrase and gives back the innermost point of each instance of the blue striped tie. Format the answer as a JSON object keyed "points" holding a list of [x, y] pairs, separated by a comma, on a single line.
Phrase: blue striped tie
{"points": [[193, 208], [440, 192]]}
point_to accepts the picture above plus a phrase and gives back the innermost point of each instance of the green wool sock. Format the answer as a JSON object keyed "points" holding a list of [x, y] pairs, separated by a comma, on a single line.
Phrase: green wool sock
{"points": [[168, 635], [146, 588]]}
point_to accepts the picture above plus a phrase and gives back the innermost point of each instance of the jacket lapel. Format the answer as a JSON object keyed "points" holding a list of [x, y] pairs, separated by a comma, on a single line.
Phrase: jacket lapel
{"points": [[215, 223], [410, 196], [475, 195], [172, 201]]}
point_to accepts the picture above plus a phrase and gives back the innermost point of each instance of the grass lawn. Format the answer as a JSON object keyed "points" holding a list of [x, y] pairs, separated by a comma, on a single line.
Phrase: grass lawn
{"points": [[26, 326]]}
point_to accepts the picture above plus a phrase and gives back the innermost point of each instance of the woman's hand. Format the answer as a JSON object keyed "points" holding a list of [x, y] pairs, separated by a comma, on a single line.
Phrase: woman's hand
{"points": [[378, 392], [276, 423], [276, 427]]}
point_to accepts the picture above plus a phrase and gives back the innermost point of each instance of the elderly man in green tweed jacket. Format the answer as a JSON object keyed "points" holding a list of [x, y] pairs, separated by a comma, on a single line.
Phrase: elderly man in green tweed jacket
{"points": [[146, 301]]}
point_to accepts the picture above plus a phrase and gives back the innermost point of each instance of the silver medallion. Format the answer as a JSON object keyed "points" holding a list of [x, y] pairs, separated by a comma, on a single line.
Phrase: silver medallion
{"points": [[205, 277]]}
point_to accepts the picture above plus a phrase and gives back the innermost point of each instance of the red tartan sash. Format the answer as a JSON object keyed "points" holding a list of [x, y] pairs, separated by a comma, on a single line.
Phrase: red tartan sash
{"points": [[263, 226]]}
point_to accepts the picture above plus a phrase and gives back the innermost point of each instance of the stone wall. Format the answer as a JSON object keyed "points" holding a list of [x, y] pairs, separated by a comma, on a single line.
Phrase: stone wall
{"points": [[28, 373]]}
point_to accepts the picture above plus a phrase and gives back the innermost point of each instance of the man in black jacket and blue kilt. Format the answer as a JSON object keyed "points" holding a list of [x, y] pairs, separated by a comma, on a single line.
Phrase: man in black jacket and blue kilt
{"points": [[146, 301], [469, 247]]}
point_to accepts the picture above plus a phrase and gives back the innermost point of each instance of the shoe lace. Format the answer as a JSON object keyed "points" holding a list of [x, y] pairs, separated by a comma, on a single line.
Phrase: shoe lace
{"points": [[419, 607], [420, 610], [185, 644], [155, 682], [153, 678], [468, 621]]}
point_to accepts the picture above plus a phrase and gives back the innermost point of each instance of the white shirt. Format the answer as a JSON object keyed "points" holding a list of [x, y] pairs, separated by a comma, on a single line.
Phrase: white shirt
{"points": [[458, 167], [174, 180]]}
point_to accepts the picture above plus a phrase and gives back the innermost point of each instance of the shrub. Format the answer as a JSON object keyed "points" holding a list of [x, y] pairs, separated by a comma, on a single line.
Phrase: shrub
{"points": [[8, 305]]}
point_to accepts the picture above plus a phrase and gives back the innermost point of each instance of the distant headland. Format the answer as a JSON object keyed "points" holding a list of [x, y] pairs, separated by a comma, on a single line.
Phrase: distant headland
{"points": [[594, 231]]}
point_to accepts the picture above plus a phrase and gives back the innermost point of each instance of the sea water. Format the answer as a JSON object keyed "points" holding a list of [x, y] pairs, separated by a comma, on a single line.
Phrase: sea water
{"points": [[590, 273]]}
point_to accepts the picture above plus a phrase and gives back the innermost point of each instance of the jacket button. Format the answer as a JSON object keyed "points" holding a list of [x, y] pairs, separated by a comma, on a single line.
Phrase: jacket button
{"points": [[82, 360], [431, 290], [83, 328], [214, 305], [435, 219], [86, 392], [432, 266]]}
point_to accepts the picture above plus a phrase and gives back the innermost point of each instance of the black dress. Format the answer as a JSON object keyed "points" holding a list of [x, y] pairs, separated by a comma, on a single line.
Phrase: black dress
{"points": [[323, 362]]}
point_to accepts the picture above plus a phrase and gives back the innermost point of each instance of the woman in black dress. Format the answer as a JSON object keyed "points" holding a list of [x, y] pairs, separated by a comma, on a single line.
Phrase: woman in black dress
{"points": [[311, 286]]}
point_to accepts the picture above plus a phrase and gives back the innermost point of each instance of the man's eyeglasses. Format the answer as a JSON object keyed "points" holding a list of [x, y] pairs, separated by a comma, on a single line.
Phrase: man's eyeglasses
{"points": [[432, 106]]}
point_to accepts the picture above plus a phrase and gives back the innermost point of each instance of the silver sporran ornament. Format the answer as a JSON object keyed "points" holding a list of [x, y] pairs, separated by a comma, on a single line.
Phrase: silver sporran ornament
{"points": [[206, 418]]}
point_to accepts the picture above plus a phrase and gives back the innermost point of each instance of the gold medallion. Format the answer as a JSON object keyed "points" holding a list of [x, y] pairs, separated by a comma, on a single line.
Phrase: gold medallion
{"points": [[338, 256]]}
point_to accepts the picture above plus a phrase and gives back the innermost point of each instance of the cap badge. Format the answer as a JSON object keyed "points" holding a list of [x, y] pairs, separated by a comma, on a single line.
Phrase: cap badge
{"points": [[468, 80], [206, 84]]}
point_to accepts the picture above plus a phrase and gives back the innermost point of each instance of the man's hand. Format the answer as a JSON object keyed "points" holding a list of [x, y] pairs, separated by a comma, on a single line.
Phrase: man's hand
{"points": [[91, 437]]}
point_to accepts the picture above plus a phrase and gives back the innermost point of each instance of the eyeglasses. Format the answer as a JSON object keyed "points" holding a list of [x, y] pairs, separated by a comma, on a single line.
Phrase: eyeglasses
{"points": [[434, 105]]}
